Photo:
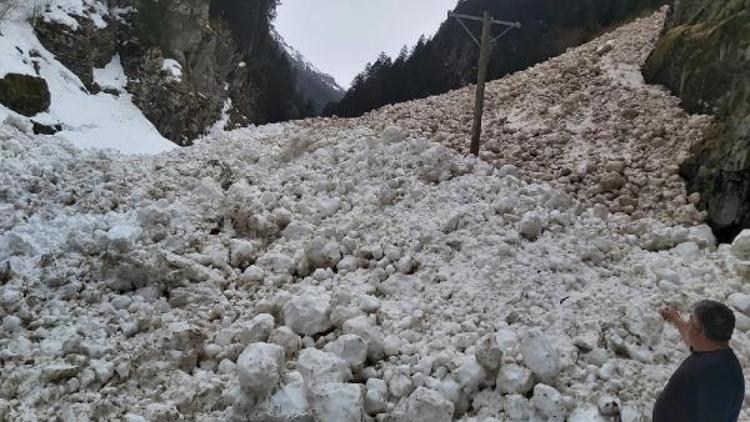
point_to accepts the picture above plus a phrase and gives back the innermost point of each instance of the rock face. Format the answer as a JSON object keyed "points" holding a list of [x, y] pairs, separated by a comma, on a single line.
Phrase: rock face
{"points": [[702, 57], [80, 49], [24, 94], [188, 62]]}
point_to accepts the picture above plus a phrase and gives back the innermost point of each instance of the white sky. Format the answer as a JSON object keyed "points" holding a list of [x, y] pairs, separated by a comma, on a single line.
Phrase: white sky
{"points": [[341, 36]]}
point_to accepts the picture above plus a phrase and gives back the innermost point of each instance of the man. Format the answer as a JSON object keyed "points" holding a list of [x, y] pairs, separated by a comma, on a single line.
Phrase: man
{"points": [[709, 385]]}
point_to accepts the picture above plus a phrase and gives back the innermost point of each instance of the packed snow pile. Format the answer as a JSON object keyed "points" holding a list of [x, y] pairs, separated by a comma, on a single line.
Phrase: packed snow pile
{"points": [[106, 120], [584, 122], [334, 270], [339, 275]]}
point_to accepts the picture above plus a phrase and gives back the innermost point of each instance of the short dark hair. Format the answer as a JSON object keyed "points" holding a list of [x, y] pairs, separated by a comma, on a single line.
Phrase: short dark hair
{"points": [[716, 319]]}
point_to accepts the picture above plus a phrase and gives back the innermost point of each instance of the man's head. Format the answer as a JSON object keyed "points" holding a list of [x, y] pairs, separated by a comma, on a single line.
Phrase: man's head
{"points": [[711, 322]]}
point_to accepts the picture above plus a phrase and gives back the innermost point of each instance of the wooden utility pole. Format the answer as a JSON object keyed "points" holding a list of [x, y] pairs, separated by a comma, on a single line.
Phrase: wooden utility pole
{"points": [[485, 50]]}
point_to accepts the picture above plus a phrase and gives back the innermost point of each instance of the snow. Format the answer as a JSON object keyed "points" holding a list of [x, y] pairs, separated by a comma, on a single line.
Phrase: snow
{"points": [[129, 277], [173, 69], [112, 76], [100, 121], [63, 12]]}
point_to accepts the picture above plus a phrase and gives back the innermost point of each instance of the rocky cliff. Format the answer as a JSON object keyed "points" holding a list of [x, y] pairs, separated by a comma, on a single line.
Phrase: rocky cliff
{"points": [[704, 57], [187, 61]]}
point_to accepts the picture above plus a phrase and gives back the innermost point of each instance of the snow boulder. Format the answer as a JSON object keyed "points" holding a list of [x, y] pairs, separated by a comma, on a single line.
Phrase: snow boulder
{"points": [[488, 353], [260, 367], [363, 327], [426, 405], [392, 135], [517, 407], [318, 367], [351, 348], [338, 402], [308, 314], [514, 379], [540, 355], [286, 338], [741, 246], [256, 330], [531, 225], [549, 403]]}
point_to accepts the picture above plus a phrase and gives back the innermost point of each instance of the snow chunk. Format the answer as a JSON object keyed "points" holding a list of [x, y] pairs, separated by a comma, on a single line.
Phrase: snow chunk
{"points": [[256, 330], [549, 402], [392, 135], [428, 406], [514, 379], [540, 355], [351, 348], [318, 367], [363, 327], [741, 246], [531, 225], [308, 314], [260, 367], [338, 402], [286, 338]]}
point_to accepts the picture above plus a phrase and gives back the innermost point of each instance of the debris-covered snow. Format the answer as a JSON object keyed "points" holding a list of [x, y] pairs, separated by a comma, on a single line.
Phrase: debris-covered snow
{"points": [[335, 270], [107, 120], [584, 121]]}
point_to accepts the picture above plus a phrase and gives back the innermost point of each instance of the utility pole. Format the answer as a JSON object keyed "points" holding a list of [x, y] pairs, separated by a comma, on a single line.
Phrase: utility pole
{"points": [[485, 50]]}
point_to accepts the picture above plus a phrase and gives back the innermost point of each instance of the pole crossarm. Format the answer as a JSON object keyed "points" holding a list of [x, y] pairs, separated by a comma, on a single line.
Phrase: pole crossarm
{"points": [[477, 18]]}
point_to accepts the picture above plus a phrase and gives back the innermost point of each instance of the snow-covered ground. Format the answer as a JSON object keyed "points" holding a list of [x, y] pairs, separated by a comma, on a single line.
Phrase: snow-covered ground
{"points": [[98, 121], [335, 270]]}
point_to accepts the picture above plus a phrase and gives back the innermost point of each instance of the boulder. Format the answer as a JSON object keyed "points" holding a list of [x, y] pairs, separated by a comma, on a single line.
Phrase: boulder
{"points": [[25, 94]]}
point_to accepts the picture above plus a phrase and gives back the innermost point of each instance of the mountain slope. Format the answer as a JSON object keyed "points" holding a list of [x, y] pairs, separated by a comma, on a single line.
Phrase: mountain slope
{"points": [[316, 87], [100, 120], [185, 65], [346, 269], [449, 59]]}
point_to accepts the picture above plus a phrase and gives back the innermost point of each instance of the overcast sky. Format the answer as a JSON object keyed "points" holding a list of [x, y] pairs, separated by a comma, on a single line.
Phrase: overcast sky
{"points": [[341, 36]]}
